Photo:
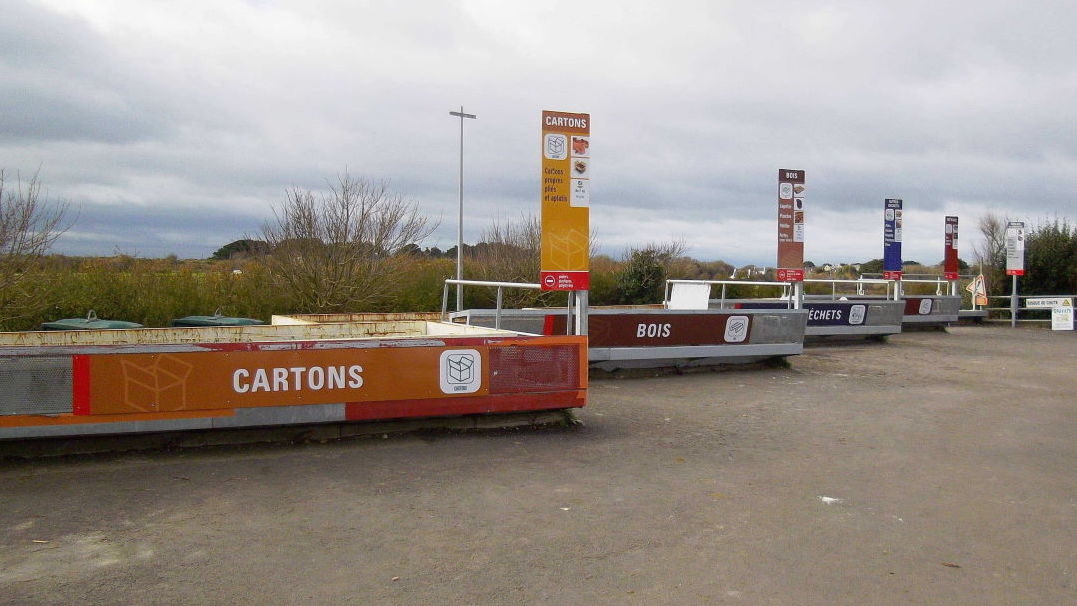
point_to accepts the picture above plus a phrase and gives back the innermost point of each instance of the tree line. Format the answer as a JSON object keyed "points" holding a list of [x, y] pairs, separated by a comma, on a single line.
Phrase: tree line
{"points": [[356, 247]]}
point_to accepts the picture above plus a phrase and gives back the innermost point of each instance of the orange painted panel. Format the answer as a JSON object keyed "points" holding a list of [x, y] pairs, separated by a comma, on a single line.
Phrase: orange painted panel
{"points": [[165, 382]]}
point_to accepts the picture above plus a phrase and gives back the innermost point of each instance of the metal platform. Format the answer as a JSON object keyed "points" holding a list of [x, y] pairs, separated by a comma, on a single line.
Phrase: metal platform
{"points": [[299, 370], [649, 336], [831, 318]]}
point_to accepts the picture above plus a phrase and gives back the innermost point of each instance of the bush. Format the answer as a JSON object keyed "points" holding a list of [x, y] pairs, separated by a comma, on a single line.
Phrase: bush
{"points": [[338, 251], [642, 279]]}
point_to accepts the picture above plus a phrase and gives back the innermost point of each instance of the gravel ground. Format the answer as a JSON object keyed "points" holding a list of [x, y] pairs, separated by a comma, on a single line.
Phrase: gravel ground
{"points": [[936, 468]]}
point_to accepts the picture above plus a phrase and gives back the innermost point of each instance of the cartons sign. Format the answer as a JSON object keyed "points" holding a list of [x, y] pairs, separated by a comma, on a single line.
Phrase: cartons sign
{"points": [[950, 268], [174, 382], [892, 239], [790, 225], [1015, 248], [566, 196]]}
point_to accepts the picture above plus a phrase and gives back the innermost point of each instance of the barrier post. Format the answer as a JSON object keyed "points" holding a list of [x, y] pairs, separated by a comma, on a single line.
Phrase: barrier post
{"points": [[581, 313], [1013, 303]]}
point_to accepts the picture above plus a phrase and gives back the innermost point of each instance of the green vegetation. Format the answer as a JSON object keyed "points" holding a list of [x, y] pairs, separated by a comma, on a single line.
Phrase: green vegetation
{"points": [[1050, 257]]}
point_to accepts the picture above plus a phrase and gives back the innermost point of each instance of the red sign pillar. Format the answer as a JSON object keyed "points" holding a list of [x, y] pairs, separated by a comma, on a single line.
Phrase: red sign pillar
{"points": [[949, 264], [790, 226]]}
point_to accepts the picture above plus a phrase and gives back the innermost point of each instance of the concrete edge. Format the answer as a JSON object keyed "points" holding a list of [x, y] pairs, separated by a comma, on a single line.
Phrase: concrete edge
{"points": [[36, 448]]}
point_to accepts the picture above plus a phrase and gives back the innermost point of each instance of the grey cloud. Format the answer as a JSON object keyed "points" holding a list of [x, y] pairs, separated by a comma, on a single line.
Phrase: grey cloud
{"points": [[695, 106], [188, 232]]}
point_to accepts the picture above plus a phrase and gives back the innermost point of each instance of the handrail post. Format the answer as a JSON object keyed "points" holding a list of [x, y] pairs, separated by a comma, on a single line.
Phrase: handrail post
{"points": [[497, 312], [581, 312], [445, 302], [722, 304], [568, 311]]}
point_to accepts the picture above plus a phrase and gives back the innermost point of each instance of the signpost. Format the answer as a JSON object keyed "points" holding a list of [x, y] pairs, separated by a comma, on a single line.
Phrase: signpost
{"points": [[791, 230], [892, 239], [566, 195], [460, 220], [1015, 261], [949, 265]]}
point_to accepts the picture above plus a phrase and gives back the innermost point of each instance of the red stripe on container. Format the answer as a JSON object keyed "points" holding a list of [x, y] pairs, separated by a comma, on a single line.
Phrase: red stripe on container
{"points": [[80, 385], [443, 407]]}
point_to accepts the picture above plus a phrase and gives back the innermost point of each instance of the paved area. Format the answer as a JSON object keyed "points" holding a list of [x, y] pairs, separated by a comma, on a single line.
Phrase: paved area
{"points": [[934, 469]]}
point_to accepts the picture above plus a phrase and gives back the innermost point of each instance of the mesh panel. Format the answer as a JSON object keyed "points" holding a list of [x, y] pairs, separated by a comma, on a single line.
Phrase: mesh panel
{"points": [[517, 369], [35, 385]]}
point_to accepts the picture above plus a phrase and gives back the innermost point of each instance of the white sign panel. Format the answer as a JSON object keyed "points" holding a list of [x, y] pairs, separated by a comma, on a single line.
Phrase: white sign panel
{"points": [[689, 296], [1015, 248], [1048, 302], [1062, 318]]}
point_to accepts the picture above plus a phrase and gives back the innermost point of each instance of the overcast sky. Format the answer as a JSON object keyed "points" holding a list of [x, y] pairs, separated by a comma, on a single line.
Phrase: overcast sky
{"points": [[176, 127]]}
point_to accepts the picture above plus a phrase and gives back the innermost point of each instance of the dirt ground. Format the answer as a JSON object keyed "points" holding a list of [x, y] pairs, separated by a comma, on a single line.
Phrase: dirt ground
{"points": [[938, 468]]}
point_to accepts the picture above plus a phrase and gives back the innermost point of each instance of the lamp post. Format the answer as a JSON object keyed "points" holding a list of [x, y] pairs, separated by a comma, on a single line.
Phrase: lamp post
{"points": [[460, 223]]}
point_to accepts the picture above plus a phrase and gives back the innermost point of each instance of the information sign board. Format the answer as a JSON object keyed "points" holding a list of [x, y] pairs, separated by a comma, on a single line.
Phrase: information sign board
{"points": [[1062, 318], [949, 264], [566, 195], [790, 225], [1015, 248], [892, 239]]}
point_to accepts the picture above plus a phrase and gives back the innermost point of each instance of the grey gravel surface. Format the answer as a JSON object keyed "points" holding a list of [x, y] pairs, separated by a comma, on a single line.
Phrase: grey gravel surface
{"points": [[938, 468]]}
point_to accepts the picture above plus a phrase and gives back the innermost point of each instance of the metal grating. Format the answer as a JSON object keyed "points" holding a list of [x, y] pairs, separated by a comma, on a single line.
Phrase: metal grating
{"points": [[33, 385], [517, 369]]}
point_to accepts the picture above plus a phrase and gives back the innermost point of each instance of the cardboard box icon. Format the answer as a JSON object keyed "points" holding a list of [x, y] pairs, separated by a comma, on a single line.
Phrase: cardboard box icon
{"points": [[461, 371], [459, 367]]}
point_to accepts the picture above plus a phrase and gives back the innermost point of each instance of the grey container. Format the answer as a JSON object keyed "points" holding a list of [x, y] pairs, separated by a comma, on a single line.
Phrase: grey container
{"points": [[90, 322], [216, 320]]}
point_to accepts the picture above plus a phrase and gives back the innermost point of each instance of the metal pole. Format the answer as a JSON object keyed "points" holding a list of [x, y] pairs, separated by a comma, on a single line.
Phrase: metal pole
{"points": [[1013, 303], [568, 312], [581, 313], [444, 302], [497, 316], [460, 221]]}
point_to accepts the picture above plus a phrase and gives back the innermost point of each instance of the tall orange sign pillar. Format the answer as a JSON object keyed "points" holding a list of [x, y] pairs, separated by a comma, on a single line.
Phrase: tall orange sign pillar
{"points": [[566, 196]]}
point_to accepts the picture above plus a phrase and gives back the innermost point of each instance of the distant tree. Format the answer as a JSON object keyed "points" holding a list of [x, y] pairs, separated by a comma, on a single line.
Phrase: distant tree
{"points": [[337, 251], [1050, 259], [991, 251], [29, 225], [509, 252], [908, 263], [412, 250], [642, 278], [875, 266], [240, 248]]}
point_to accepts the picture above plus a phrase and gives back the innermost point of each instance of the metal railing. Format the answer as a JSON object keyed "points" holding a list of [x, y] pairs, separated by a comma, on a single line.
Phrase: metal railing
{"points": [[1015, 311], [500, 295], [785, 286], [860, 284]]}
